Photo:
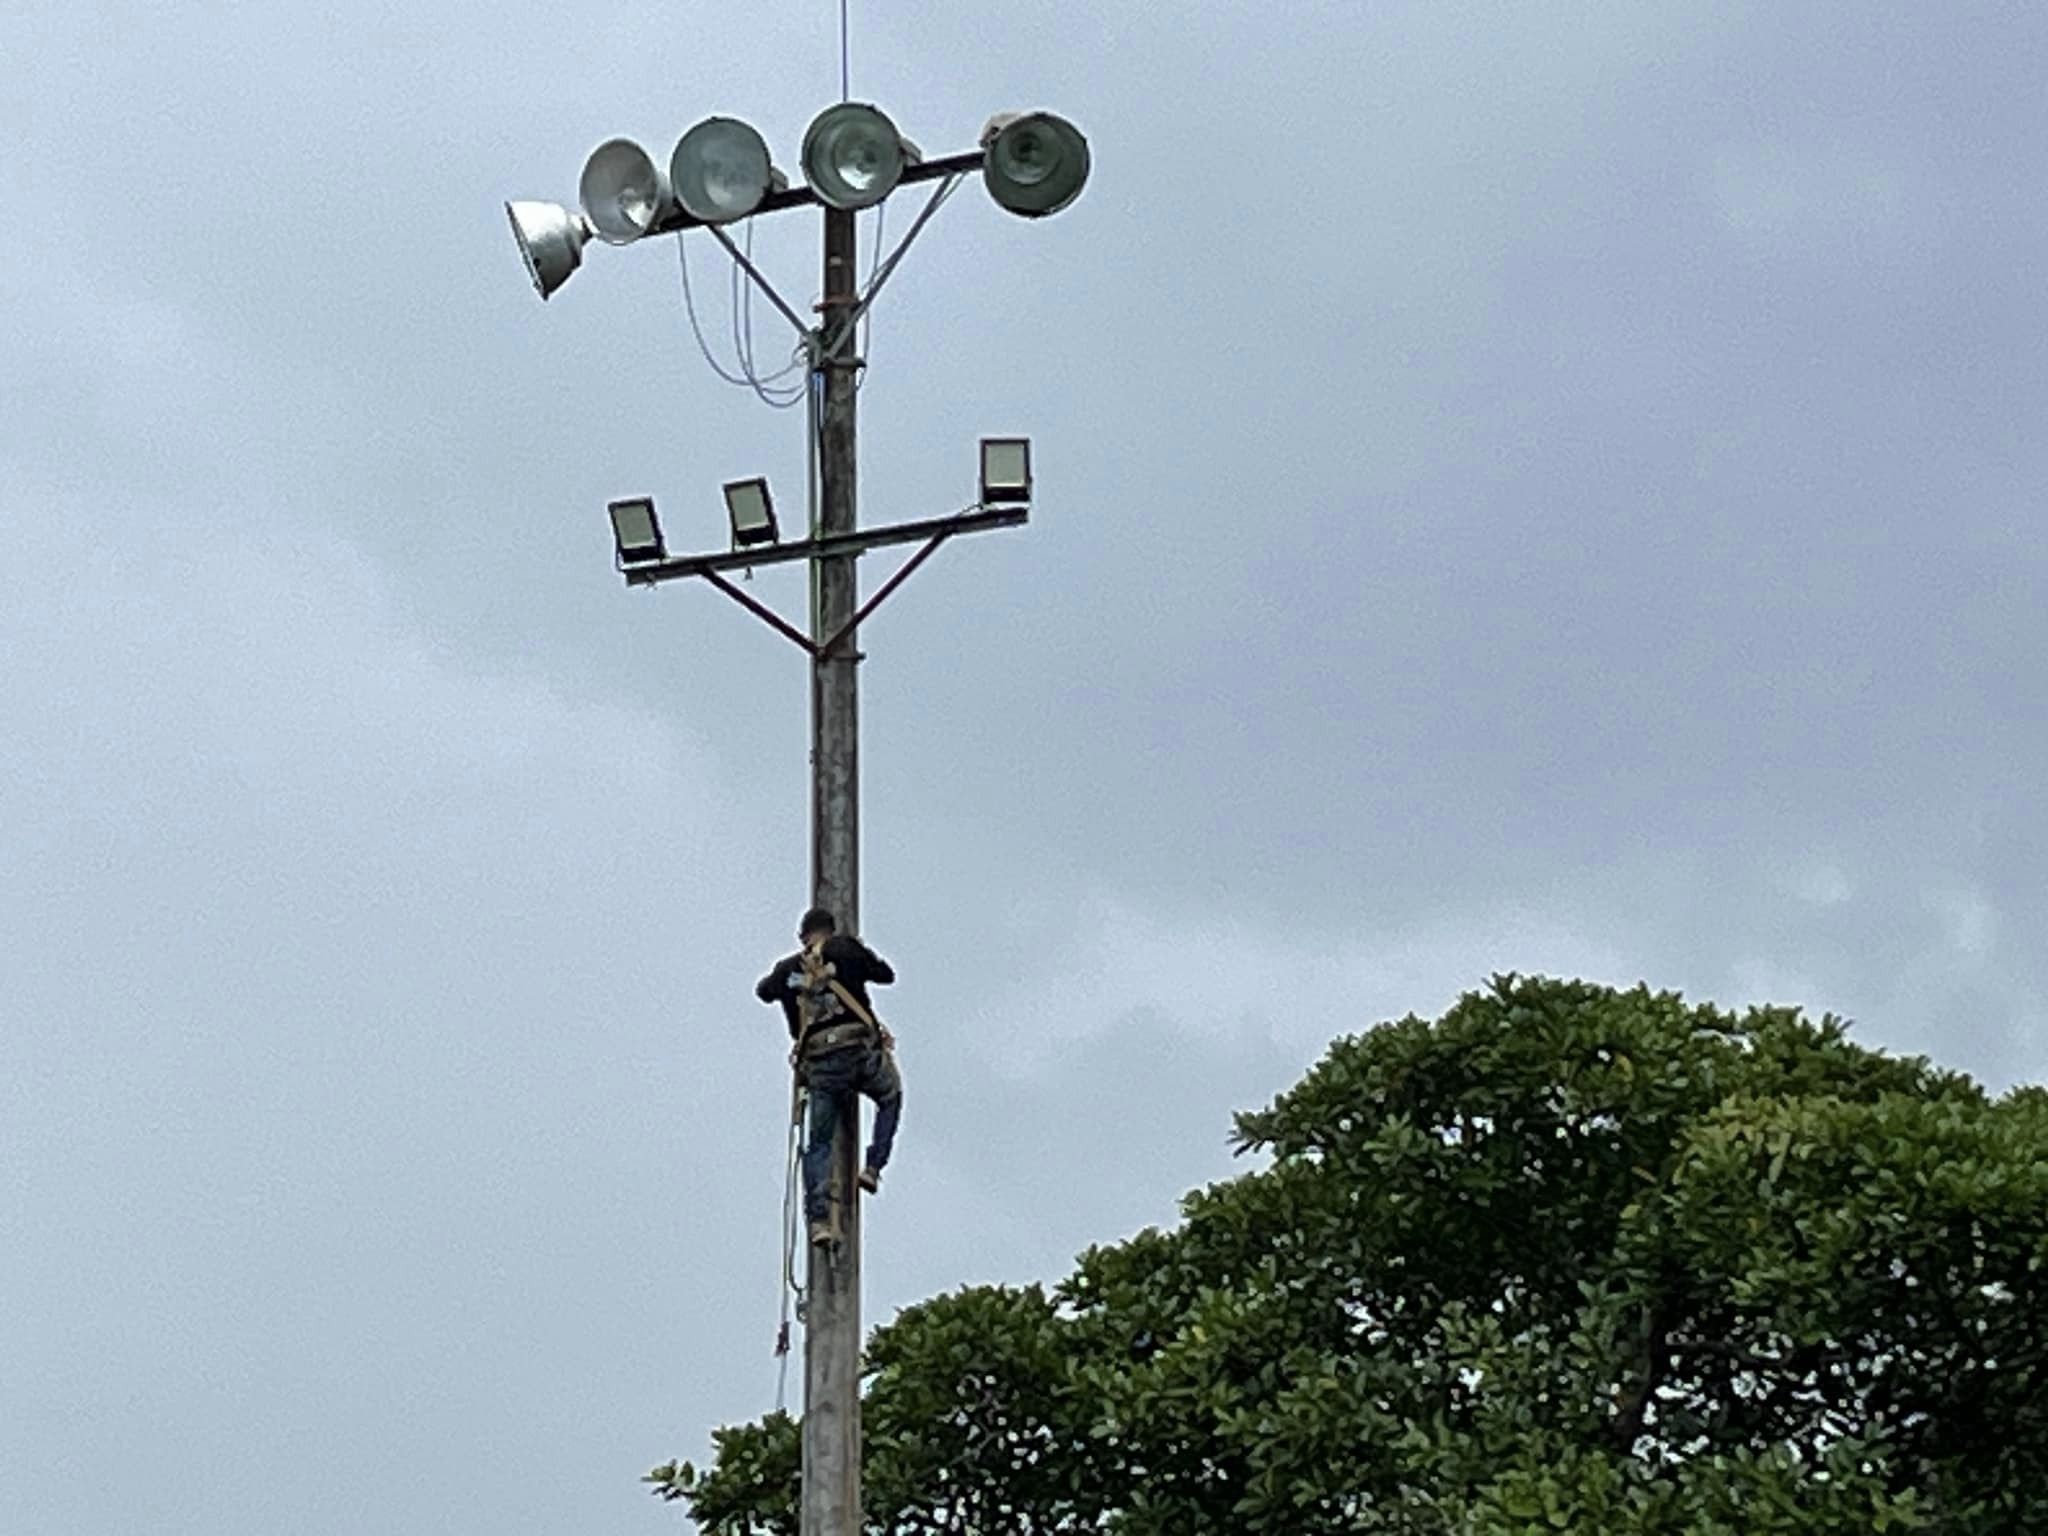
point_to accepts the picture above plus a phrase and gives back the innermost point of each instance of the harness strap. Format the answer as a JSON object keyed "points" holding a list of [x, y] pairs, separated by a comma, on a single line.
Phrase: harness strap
{"points": [[853, 1004], [832, 1037], [812, 1039]]}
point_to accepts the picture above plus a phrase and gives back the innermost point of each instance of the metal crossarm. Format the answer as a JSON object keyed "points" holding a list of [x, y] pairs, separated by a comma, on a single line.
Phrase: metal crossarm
{"points": [[857, 542], [813, 648]]}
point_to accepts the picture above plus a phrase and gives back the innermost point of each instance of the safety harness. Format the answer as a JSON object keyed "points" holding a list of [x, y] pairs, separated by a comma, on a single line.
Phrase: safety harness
{"points": [[818, 1036]]}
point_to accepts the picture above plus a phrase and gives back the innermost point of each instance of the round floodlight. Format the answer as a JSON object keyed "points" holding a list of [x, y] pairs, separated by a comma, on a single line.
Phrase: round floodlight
{"points": [[623, 191], [1035, 164], [550, 240], [720, 170], [853, 155]]}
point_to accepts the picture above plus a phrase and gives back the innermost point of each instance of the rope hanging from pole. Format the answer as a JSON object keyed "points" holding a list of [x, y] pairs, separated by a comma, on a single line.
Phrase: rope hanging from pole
{"points": [[791, 1287]]}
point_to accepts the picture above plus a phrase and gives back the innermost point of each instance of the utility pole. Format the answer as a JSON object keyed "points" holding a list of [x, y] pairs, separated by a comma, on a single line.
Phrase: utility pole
{"points": [[831, 1424], [1032, 164]]}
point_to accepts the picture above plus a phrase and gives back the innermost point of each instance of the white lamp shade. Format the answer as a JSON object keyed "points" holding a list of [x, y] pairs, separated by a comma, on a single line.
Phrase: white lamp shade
{"points": [[853, 155], [1035, 163], [551, 241], [720, 171], [624, 193]]}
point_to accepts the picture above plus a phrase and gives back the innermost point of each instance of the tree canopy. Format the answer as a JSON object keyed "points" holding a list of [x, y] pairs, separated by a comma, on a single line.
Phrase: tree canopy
{"points": [[1568, 1258]]}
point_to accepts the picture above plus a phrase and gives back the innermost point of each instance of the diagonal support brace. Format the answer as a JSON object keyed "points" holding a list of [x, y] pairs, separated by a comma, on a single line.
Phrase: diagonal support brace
{"points": [[762, 611], [833, 341], [935, 532], [759, 280], [789, 631], [881, 596]]}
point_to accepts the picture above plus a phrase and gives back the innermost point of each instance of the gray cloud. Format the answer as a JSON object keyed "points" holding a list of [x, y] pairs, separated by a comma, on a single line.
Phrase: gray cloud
{"points": [[1560, 501]]}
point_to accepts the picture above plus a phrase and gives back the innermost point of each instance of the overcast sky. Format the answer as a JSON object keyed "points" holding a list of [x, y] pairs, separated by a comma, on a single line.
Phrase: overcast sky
{"points": [[1551, 488]]}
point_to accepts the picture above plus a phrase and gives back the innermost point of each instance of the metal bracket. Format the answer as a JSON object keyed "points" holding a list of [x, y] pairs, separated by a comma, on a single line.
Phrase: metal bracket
{"points": [[825, 547], [852, 315], [850, 310], [881, 596], [804, 642], [804, 197]]}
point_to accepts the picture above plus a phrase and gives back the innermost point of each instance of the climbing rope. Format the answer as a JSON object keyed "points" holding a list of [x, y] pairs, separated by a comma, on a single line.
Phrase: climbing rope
{"points": [[792, 1211]]}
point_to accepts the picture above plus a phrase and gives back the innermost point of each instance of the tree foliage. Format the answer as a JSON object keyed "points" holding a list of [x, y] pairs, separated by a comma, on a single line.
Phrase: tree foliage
{"points": [[1566, 1259]]}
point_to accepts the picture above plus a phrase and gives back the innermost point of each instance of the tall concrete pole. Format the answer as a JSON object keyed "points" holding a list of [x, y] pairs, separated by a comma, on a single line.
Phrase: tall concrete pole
{"points": [[832, 1337]]}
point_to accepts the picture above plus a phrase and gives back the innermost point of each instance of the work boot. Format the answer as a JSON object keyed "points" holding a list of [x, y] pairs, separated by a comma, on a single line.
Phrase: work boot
{"points": [[871, 1180], [821, 1231]]}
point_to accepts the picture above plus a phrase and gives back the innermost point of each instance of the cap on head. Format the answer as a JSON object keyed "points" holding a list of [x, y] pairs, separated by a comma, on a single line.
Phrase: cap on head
{"points": [[816, 921]]}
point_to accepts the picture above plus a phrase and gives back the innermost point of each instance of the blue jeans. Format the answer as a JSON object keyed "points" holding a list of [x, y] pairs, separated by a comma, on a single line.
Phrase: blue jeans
{"points": [[833, 1079]]}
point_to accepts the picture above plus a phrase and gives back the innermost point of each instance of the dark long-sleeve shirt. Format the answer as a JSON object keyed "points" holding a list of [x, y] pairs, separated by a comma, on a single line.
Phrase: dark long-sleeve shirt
{"points": [[854, 967]]}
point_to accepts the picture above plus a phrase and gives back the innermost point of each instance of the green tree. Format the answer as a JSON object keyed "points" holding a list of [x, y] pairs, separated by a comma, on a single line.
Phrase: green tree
{"points": [[1567, 1258]]}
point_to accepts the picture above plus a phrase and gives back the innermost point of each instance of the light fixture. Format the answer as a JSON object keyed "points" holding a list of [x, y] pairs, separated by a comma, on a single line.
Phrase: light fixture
{"points": [[1034, 163], [636, 531], [720, 171], [853, 155], [752, 512], [623, 191], [1005, 471], [551, 240]]}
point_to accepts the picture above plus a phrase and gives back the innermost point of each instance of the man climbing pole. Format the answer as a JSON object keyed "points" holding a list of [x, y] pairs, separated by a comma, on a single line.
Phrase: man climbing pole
{"points": [[841, 1049]]}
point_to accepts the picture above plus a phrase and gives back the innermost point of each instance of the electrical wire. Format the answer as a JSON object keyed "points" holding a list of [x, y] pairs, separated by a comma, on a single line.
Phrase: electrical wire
{"points": [[748, 377], [799, 355], [867, 320], [690, 309], [743, 341]]}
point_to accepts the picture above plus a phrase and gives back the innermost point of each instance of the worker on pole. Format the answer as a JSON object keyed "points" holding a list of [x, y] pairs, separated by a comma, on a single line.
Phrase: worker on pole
{"points": [[841, 1050]]}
